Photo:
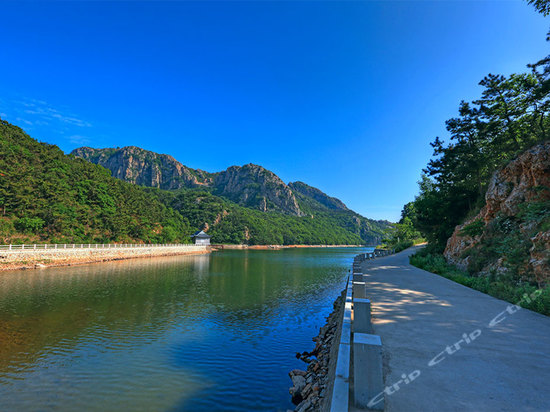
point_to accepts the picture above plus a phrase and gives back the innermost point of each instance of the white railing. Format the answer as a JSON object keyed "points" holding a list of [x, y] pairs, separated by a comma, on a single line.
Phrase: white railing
{"points": [[44, 246]]}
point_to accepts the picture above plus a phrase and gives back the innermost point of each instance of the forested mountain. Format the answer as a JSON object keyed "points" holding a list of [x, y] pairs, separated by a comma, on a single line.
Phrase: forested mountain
{"points": [[145, 168], [250, 186], [255, 187], [311, 198], [47, 196], [229, 222]]}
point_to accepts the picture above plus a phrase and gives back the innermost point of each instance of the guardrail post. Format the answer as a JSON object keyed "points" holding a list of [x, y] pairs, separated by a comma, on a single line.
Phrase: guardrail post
{"points": [[358, 277], [367, 369], [359, 290], [362, 322]]}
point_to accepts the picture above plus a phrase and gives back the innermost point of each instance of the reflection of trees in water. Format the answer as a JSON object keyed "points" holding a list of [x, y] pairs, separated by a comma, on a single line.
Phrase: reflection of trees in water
{"points": [[261, 289], [123, 301], [131, 301]]}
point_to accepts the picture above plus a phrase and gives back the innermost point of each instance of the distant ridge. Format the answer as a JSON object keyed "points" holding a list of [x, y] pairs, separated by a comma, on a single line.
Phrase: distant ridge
{"points": [[250, 186], [324, 200]]}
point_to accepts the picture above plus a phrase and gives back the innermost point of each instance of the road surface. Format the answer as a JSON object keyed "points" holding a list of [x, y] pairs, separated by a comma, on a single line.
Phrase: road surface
{"points": [[451, 348]]}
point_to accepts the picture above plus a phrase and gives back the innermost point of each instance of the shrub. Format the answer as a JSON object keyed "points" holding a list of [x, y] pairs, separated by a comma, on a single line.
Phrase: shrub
{"points": [[473, 229], [29, 224], [403, 245], [6, 227]]}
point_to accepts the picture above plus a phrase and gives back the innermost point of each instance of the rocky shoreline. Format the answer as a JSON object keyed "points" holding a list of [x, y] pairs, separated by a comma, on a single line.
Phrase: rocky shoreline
{"points": [[311, 389]]}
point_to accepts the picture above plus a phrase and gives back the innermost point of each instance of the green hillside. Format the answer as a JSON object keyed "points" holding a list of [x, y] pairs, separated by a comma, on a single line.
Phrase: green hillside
{"points": [[228, 222], [47, 196]]}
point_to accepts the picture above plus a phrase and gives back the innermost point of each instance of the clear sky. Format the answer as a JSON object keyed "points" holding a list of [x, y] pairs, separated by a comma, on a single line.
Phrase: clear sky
{"points": [[345, 96]]}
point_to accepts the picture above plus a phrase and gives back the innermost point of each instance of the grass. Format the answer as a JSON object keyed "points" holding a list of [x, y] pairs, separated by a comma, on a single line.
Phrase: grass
{"points": [[500, 287]]}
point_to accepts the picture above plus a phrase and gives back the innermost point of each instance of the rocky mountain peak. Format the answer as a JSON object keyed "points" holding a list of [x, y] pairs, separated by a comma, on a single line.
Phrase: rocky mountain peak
{"points": [[322, 198], [142, 167], [254, 186], [249, 185]]}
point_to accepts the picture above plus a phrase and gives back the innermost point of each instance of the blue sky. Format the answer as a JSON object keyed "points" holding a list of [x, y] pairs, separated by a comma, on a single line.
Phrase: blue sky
{"points": [[345, 96]]}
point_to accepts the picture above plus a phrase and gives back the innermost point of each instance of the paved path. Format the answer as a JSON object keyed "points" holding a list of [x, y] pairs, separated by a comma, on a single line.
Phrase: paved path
{"points": [[418, 314]]}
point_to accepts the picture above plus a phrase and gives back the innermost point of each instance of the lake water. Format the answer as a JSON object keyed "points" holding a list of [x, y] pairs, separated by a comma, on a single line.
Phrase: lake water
{"points": [[184, 333]]}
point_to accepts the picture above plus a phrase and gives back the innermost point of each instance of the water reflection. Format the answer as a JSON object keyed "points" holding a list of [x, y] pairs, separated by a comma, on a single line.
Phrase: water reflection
{"points": [[177, 333]]}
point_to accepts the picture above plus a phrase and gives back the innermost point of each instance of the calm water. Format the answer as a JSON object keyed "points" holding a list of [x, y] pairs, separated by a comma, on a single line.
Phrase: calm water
{"points": [[197, 333]]}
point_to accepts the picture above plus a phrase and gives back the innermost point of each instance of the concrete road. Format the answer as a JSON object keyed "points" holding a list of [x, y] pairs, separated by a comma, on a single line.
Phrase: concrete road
{"points": [[459, 349]]}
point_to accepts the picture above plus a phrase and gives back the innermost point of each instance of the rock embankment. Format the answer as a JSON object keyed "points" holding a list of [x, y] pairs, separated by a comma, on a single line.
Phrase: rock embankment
{"points": [[40, 258], [311, 388], [516, 207]]}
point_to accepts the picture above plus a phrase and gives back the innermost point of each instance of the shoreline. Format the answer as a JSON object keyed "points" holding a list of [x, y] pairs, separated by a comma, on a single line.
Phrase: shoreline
{"points": [[40, 259], [276, 247], [311, 389]]}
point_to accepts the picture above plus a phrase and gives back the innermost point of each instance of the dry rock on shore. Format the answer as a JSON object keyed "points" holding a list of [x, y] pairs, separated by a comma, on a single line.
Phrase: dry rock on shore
{"points": [[309, 387]]}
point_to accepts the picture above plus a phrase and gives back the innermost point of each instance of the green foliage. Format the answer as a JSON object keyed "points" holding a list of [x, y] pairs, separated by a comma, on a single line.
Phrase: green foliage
{"points": [[511, 115], [60, 198], [506, 239], [6, 227], [48, 196], [409, 211], [473, 229], [402, 245], [313, 199], [542, 6], [29, 224], [502, 287], [228, 222], [403, 235], [534, 211]]}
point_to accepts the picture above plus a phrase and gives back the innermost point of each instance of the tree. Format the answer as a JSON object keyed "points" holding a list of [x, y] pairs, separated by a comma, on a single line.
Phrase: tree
{"points": [[542, 6]]}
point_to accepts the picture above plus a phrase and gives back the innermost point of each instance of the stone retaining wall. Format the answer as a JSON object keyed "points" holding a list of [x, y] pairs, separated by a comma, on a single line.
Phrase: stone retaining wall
{"points": [[24, 259]]}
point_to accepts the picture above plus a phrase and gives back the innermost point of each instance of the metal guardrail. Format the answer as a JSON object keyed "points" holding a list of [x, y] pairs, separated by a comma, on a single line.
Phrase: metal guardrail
{"points": [[93, 246]]}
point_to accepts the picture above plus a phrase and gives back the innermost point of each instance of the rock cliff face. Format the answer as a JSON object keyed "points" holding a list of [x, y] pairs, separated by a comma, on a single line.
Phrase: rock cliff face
{"points": [[253, 186], [145, 168], [249, 185], [323, 199], [517, 212]]}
